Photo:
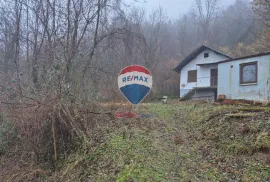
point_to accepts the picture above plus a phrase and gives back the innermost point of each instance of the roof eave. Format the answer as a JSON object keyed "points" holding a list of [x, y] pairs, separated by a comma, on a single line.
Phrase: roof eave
{"points": [[245, 57], [191, 56], [177, 70]]}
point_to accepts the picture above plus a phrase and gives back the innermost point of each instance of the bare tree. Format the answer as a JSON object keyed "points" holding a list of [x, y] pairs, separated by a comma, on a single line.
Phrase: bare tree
{"points": [[205, 12], [183, 33], [262, 9], [67, 47]]}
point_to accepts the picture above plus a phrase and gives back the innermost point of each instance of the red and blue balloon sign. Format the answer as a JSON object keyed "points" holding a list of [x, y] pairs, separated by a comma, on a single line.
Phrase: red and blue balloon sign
{"points": [[135, 82]]}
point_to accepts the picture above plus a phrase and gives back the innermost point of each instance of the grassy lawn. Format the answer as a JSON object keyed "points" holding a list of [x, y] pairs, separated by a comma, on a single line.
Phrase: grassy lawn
{"points": [[178, 141], [184, 142]]}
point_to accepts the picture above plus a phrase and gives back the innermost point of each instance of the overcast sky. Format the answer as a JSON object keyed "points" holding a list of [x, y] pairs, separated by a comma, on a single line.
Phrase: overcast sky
{"points": [[174, 8]]}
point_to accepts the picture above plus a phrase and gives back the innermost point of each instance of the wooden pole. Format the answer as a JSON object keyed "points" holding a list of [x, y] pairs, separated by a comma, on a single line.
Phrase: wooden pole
{"points": [[54, 138]]}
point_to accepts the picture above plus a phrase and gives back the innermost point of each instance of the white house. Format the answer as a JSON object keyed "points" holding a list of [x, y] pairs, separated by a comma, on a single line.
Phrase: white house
{"points": [[199, 72], [246, 78], [207, 74]]}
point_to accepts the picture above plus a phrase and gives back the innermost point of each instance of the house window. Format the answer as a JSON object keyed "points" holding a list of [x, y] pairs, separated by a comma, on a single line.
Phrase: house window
{"points": [[206, 55], [192, 76], [248, 73]]}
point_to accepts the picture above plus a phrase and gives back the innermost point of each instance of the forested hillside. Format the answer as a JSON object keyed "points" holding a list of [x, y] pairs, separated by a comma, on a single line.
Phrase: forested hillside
{"points": [[70, 47]]}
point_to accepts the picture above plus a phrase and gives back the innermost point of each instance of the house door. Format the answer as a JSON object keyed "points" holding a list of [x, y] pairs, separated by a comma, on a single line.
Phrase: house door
{"points": [[214, 77]]}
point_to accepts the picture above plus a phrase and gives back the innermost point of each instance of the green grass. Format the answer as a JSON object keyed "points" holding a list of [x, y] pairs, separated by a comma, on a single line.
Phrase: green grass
{"points": [[138, 156], [185, 142]]}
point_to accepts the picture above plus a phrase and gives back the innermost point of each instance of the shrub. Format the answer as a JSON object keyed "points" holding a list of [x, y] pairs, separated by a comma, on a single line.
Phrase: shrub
{"points": [[8, 133], [263, 142]]}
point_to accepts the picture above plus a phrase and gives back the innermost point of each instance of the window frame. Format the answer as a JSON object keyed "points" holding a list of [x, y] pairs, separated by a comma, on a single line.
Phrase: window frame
{"points": [[241, 67], [206, 55], [188, 78]]}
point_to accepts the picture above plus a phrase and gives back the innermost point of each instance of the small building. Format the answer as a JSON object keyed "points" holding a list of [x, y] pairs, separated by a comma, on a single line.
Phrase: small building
{"points": [[199, 74], [245, 78], [206, 74]]}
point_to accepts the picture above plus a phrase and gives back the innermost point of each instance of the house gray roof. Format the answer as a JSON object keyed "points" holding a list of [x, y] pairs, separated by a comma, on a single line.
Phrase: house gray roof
{"points": [[245, 57], [194, 54]]}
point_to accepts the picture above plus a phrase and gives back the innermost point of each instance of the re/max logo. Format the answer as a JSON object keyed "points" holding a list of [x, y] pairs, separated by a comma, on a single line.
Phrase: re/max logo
{"points": [[135, 78]]}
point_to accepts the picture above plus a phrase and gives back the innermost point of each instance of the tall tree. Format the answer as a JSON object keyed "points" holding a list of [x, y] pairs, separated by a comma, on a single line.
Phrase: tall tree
{"points": [[205, 13]]}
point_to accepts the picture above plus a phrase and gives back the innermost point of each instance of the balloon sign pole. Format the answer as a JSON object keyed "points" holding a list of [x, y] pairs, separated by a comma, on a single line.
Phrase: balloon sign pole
{"points": [[135, 82]]}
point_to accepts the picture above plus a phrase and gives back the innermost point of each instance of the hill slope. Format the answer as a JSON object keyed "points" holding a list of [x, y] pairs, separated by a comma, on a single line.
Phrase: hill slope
{"points": [[176, 142]]}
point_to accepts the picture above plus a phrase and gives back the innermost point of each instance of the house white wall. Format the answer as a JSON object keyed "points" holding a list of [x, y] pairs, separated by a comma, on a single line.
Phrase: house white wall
{"points": [[229, 80], [203, 73]]}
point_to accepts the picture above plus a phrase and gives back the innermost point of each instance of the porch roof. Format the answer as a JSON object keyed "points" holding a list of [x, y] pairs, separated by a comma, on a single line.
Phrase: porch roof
{"points": [[208, 64]]}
